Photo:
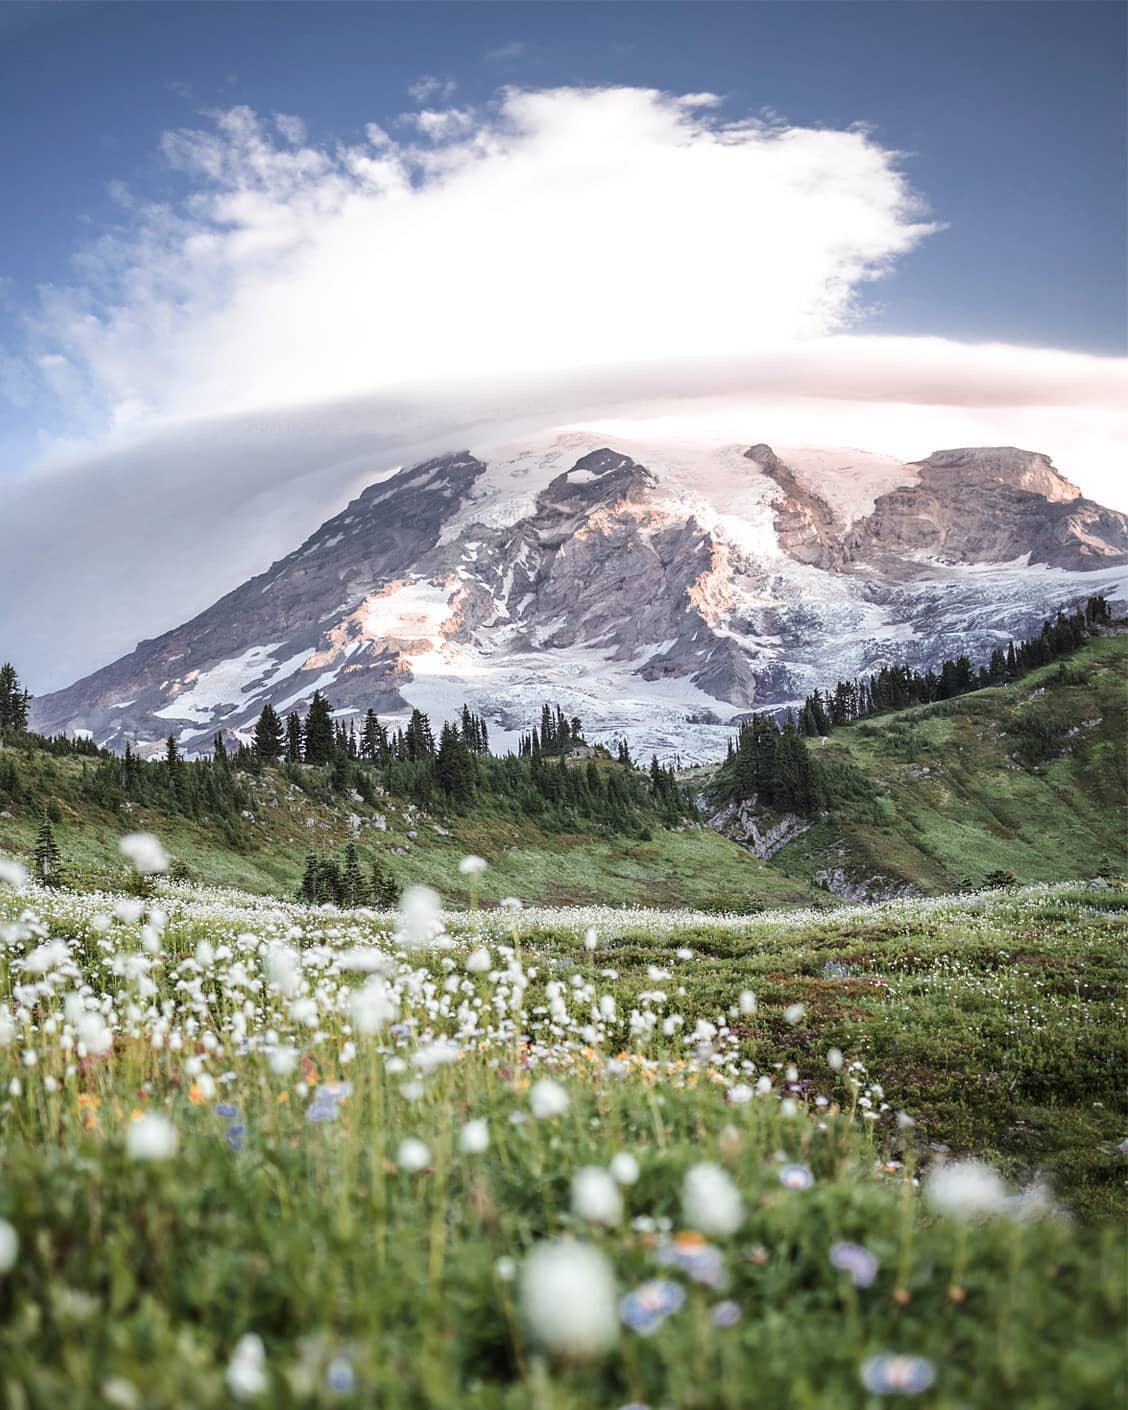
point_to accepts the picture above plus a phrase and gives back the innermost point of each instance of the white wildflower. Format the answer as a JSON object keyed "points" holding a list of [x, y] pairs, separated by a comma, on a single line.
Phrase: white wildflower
{"points": [[568, 1298], [13, 874], [282, 1061], [284, 969], [595, 1196], [965, 1190], [711, 1203], [421, 916], [371, 1006], [145, 852], [9, 1247], [624, 1167], [474, 1137], [246, 1371], [412, 1155], [151, 1137], [547, 1099]]}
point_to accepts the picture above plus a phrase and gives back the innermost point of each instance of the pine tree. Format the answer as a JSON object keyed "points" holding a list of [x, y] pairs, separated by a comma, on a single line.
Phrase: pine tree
{"points": [[270, 738], [220, 751], [307, 891], [320, 741], [419, 741], [329, 882], [14, 700], [293, 738], [385, 892], [373, 739], [47, 862], [353, 890], [454, 766]]}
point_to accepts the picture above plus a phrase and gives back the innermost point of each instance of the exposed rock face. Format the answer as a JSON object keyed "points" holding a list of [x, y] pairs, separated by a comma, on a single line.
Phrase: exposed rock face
{"points": [[864, 890], [659, 595], [762, 836], [989, 506], [805, 525]]}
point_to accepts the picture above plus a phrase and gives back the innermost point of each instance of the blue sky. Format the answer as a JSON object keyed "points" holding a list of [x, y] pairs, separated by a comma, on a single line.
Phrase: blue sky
{"points": [[254, 255], [1012, 113]]}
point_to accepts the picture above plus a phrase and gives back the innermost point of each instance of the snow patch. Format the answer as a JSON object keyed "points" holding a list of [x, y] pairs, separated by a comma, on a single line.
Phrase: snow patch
{"points": [[415, 611], [237, 681]]}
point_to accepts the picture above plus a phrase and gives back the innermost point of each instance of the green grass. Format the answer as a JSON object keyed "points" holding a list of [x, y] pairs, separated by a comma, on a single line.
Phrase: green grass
{"points": [[1029, 778], [694, 867], [997, 1021]]}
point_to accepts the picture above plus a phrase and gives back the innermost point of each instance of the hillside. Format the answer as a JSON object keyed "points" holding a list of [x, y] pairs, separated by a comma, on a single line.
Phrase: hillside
{"points": [[1027, 778], [266, 851]]}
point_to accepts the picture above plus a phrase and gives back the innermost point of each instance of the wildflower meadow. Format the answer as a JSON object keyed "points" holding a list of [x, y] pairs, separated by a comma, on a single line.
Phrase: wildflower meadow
{"points": [[257, 1153]]}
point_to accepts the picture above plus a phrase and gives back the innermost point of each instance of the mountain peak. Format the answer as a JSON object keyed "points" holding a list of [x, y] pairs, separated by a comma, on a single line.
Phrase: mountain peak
{"points": [[657, 589], [1027, 470]]}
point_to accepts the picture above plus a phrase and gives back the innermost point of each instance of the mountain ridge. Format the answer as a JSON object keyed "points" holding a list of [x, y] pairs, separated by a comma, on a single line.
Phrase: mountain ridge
{"points": [[659, 590]]}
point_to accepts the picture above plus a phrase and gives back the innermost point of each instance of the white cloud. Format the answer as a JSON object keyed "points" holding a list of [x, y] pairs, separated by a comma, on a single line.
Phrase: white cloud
{"points": [[424, 89], [559, 229], [440, 125], [515, 49], [310, 316], [291, 128]]}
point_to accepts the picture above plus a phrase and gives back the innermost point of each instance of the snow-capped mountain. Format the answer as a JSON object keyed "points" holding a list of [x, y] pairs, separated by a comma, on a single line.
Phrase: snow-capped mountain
{"points": [[659, 590]]}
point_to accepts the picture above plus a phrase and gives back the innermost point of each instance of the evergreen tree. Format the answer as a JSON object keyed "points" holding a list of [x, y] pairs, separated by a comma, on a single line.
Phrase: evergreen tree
{"points": [[342, 781], [418, 740], [47, 863], [270, 738], [374, 739], [330, 884], [293, 738], [14, 700], [454, 766], [320, 742], [130, 770], [354, 892], [385, 892], [220, 750], [307, 891]]}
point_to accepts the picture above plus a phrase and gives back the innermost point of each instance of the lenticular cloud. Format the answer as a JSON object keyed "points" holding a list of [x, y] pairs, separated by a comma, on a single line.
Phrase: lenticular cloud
{"points": [[555, 230]]}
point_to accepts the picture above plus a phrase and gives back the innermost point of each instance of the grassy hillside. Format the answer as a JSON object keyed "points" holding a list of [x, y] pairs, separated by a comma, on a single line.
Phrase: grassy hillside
{"points": [[1028, 778], [691, 867]]}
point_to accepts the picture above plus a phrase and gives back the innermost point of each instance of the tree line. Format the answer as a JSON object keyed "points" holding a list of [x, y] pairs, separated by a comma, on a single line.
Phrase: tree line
{"points": [[770, 762], [898, 686]]}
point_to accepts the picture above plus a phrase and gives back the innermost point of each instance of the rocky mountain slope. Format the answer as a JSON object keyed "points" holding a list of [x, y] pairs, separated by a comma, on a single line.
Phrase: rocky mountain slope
{"points": [[657, 589]]}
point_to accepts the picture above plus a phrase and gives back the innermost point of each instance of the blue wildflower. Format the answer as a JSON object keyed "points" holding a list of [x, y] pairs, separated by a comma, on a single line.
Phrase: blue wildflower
{"points": [[327, 1101], [897, 1375], [235, 1135], [725, 1314], [340, 1376], [647, 1307], [691, 1255], [227, 1110], [796, 1177], [856, 1260]]}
